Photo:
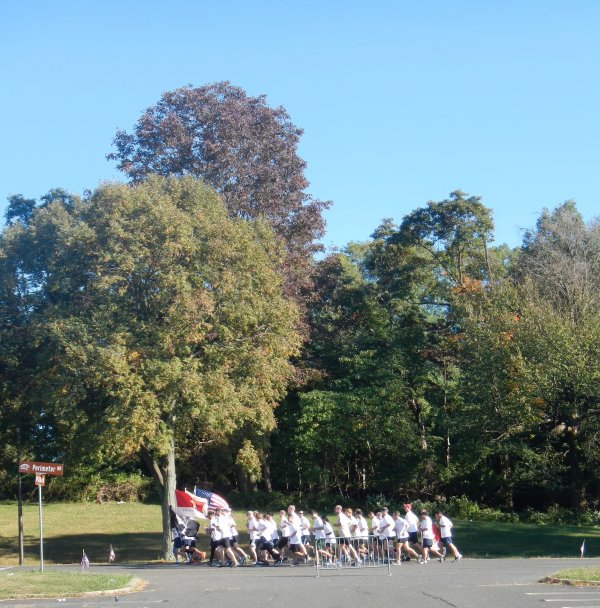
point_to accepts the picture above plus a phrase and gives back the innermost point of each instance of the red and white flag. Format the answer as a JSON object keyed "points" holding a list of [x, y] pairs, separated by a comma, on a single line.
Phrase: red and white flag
{"points": [[189, 505]]}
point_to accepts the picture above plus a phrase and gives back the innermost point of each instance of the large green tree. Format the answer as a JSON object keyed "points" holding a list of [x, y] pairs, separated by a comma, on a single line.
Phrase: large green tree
{"points": [[156, 321], [245, 149]]}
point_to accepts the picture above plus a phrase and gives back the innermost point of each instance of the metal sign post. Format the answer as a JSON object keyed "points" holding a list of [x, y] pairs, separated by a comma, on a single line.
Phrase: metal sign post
{"points": [[40, 480], [40, 470]]}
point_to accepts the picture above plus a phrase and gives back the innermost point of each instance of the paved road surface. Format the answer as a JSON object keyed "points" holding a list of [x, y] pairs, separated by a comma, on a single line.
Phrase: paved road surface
{"points": [[489, 583]]}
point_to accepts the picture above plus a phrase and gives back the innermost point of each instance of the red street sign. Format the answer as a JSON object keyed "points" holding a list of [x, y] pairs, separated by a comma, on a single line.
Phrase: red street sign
{"points": [[43, 468]]}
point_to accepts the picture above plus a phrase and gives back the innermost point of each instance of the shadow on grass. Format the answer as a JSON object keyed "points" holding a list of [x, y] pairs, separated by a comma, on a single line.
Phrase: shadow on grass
{"points": [[67, 548]]}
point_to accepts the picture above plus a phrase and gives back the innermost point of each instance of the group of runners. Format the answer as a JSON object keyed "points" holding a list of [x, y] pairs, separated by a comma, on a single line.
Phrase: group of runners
{"points": [[347, 538]]}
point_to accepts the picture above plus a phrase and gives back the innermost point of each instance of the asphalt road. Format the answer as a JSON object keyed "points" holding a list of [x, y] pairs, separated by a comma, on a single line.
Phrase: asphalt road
{"points": [[481, 583]]}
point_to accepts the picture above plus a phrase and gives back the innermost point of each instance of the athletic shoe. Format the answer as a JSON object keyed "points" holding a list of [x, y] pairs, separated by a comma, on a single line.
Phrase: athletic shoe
{"points": [[458, 557], [278, 562], [441, 559]]}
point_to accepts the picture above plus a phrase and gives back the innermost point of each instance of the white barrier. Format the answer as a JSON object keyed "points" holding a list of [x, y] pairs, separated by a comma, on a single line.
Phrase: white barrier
{"points": [[340, 553]]}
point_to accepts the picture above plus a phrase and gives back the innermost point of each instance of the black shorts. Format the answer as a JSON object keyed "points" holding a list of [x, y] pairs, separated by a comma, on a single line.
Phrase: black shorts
{"points": [[224, 542], [178, 542], [283, 542], [305, 539], [264, 545], [234, 541], [295, 548], [413, 537], [344, 541]]}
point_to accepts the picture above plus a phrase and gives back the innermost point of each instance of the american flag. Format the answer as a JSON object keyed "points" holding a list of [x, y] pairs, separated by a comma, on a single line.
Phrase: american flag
{"points": [[214, 500]]}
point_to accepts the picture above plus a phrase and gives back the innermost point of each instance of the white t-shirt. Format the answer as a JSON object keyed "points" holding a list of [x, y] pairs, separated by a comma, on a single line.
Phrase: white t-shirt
{"points": [[266, 528], [445, 525], [362, 530], [328, 531], [386, 527], [252, 526], [344, 524], [224, 522], [374, 524], [401, 528], [426, 527], [318, 527], [304, 526], [353, 525], [294, 534], [231, 525], [413, 521], [215, 532], [284, 526]]}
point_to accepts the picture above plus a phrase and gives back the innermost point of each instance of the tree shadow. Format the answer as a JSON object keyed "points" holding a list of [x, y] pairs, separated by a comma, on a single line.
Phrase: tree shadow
{"points": [[68, 548]]}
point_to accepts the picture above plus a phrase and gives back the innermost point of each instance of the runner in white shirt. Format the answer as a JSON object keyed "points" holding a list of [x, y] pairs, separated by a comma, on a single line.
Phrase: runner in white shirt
{"points": [[374, 530], [413, 527], [251, 526], [361, 533], [319, 532], [345, 535], [295, 544], [401, 529], [297, 524], [234, 538], [220, 531], [445, 526], [223, 525], [267, 529], [426, 528], [330, 543], [305, 530], [386, 533]]}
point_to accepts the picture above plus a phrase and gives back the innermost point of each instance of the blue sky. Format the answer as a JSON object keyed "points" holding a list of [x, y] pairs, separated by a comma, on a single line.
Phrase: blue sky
{"points": [[401, 102]]}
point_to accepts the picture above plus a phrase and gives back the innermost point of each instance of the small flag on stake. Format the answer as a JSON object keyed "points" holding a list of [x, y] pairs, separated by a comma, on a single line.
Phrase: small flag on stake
{"points": [[582, 548], [111, 555], [85, 562]]}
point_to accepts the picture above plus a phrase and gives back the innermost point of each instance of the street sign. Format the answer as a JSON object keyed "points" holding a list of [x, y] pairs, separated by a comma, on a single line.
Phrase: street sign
{"points": [[41, 468]]}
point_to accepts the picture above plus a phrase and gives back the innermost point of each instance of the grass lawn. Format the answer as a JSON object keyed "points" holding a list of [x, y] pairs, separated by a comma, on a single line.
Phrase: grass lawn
{"points": [[588, 575], [134, 530], [34, 583]]}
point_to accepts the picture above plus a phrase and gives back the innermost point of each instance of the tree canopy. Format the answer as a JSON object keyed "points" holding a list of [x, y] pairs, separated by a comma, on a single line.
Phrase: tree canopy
{"points": [[246, 150], [150, 320]]}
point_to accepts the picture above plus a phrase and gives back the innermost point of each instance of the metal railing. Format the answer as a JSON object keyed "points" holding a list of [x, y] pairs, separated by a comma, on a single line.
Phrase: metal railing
{"points": [[339, 553]]}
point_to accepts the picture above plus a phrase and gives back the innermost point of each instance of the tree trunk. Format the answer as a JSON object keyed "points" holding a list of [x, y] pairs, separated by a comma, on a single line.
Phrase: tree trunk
{"points": [[164, 476], [578, 496], [266, 469]]}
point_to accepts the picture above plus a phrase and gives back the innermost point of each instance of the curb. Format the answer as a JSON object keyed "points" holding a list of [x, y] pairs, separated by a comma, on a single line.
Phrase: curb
{"points": [[569, 581]]}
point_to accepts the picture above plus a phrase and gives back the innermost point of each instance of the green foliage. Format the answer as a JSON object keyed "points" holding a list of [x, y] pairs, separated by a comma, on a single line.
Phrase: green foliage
{"points": [[100, 486], [150, 320]]}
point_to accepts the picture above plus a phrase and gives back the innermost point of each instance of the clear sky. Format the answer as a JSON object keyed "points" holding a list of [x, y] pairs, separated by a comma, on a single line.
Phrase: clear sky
{"points": [[401, 101]]}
